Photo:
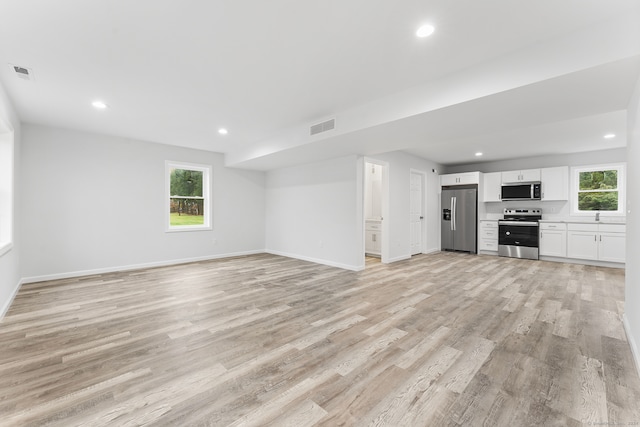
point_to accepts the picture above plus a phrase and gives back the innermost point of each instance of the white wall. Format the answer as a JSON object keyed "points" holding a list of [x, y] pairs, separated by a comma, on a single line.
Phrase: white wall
{"points": [[400, 166], [10, 261], [632, 291], [96, 203], [314, 212]]}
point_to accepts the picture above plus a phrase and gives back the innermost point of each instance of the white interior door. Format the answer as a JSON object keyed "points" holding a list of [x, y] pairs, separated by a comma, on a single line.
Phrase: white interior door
{"points": [[415, 213]]}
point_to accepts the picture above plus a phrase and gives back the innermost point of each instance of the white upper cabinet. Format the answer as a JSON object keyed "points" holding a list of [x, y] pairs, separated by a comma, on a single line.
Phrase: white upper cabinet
{"points": [[460, 178], [528, 175], [492, 187], [555, 183]]}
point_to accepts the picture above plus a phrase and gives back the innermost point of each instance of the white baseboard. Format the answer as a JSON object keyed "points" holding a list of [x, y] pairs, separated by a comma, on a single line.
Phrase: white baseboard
{"points": [[317, 260], [398, 258], [632, 342], [7, 304], [72, 274], [431, 251]]}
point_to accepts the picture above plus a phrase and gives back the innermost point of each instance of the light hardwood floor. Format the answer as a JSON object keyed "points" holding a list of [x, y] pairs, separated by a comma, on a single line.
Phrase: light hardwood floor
{"points": [[441, 339]]}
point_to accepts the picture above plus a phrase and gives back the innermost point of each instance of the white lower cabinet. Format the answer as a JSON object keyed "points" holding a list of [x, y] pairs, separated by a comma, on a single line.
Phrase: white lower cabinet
{"points": [[553, 239], [598, 242], [612, 247], [488, 240], [373, 237]]}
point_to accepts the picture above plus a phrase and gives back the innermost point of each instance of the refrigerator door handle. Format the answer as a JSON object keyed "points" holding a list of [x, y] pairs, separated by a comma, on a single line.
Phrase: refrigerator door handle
{"points": [[453, 213]]}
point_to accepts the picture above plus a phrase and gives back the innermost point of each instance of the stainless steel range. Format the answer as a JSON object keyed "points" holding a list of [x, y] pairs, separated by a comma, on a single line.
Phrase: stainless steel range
{"points": [[519, 233]]}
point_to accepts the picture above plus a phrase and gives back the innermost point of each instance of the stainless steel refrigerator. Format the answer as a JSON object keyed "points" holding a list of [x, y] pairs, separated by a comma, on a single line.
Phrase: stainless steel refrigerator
{"points": [[459, 218]]}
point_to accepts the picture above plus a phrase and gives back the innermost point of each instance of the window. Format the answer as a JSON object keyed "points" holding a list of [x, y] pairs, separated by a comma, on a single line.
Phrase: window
{"points": [[598, 189], [6, 188], [188, 196]]}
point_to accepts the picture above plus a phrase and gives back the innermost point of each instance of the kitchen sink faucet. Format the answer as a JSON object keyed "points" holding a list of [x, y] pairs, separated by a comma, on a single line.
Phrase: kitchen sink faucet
{"points": [[597, 216]]}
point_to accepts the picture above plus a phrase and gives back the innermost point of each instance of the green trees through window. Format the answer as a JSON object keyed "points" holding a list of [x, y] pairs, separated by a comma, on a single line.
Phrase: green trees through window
{"points": [[598, 190], [186, 197]]}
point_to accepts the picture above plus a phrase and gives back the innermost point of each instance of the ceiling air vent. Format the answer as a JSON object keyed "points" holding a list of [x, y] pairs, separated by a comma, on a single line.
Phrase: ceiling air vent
{"points": [[323, 127], [23, 72]]}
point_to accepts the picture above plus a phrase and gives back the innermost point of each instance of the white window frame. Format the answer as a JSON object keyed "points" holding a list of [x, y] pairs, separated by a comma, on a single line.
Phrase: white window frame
{"points": [[7, 176], [575, 183], [206, 194]]}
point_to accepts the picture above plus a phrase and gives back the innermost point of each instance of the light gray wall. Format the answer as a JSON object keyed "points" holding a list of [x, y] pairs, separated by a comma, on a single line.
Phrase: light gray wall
{"points": [[313, 212], [575, 159], [10, 261], [632, 291], [97, 203], [400, 166]]}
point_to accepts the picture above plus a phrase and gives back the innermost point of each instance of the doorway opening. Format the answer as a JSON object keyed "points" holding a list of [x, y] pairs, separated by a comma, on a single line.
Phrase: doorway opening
{"points": [[375, 211]]}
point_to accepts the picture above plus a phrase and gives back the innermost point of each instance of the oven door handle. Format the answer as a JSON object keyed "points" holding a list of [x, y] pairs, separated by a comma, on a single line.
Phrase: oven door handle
{"points": [[535, 223]]}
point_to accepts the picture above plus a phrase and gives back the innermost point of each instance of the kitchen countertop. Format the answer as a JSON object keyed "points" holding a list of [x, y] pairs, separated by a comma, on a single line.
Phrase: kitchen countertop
{"points": [[573, 221], [585, 221]]}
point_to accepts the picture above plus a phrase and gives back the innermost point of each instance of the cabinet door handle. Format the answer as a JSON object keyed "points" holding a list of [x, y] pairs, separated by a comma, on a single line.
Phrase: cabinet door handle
{"points": [[595, 238], [601, 237]]}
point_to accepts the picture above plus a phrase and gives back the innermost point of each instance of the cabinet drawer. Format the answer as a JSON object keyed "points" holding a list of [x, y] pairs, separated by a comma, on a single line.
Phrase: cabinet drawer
{"points": [[582, 227], [490, 234], [488, 245], [373, 226], [612, 228], [489, 224], [553, 226]]}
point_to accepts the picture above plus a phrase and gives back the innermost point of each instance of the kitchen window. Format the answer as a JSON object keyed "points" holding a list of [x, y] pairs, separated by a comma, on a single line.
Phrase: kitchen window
{"points": [[188, 196], [598, 188]]}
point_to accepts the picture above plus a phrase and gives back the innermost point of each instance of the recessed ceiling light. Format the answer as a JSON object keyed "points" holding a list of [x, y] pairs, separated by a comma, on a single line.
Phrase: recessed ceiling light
{"points": [[223, 131], [99, 105], [610, 135], [425, 31], [478, 154]]}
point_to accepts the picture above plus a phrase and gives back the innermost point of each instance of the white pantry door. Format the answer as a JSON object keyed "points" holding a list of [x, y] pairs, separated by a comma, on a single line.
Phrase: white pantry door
{"points": [[415, 213]]}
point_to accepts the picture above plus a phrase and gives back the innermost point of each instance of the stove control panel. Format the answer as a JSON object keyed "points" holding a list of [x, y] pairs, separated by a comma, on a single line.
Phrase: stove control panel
{"points": [[529, 211]]}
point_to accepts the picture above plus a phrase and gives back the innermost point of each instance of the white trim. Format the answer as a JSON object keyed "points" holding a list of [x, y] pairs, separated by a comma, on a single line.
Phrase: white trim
{"points": [[398, 258], [5, 247], [7, 304], [7, 186], [207, 176], [317, 260], [632, 342], [81, 273], [592, 262]]}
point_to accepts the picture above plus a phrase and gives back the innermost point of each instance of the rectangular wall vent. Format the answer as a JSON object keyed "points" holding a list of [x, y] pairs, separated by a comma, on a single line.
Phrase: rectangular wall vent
{"points": [[323, 127], [23, 73]]}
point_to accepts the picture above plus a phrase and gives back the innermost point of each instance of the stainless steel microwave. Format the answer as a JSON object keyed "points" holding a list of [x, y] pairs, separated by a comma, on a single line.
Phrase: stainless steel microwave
{"points": [[522, 191]]}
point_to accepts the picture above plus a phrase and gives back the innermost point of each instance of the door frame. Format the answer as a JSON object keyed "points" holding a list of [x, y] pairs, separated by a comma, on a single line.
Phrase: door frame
{"points": [[385, 246], [425, 220]]}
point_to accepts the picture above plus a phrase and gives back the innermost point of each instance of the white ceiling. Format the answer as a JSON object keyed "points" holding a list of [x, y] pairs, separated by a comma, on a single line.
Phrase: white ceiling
{"points": [[507, 78]]}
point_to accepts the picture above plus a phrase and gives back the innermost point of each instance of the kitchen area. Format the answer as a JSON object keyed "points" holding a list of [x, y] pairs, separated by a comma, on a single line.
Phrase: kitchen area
{"points": [[564, 214]]}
